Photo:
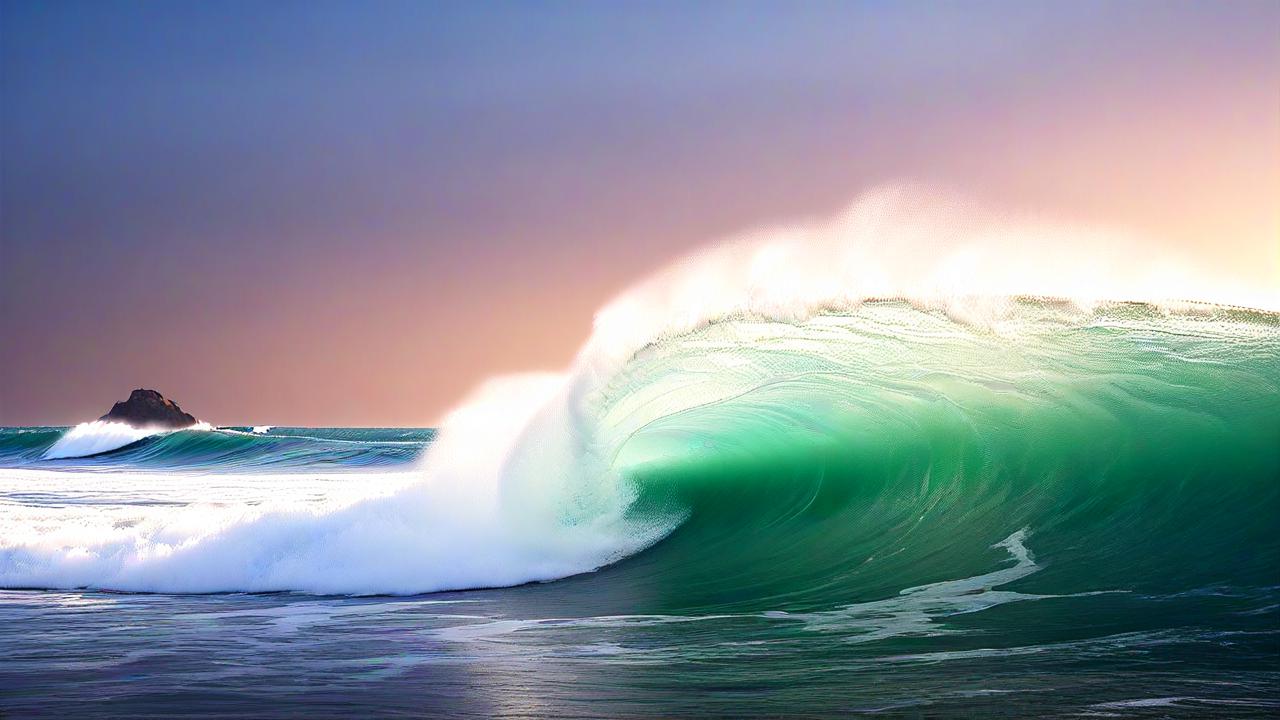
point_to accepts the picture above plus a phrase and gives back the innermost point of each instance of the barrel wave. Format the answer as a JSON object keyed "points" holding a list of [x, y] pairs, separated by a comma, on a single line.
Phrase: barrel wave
{"points": [[903, 403]]}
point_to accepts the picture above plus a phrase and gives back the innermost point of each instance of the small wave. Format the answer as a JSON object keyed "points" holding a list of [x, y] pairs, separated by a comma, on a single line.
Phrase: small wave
{"points": [[118, 447], [262, 429], [100, 436]]}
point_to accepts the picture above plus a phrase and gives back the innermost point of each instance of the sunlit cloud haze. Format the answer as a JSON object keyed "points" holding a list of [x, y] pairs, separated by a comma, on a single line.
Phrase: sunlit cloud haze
{"points": [[350, 214]]}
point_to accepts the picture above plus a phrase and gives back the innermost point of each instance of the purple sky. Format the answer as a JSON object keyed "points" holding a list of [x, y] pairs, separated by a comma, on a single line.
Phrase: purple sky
{"points": [[349, 213]]}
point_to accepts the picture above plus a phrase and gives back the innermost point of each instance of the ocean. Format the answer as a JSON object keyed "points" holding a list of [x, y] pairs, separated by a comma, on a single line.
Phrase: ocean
{"points": [[883, 509]]}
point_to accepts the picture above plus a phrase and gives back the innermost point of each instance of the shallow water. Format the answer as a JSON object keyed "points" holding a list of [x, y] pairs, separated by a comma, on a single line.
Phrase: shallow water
{"points": [[538, 651]]}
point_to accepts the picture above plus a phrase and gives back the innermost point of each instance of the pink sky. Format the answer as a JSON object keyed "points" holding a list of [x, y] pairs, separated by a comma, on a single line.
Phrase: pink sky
{"points": [[355, 224]]}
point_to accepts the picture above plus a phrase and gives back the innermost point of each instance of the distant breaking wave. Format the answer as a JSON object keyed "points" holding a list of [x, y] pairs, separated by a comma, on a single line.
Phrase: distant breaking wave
{"points": [[100, 436], [117, 446], [864, 405]]}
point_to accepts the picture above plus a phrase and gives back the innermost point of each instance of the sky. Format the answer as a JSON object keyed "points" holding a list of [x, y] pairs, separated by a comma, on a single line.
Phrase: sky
{"points": [[350, 213]]}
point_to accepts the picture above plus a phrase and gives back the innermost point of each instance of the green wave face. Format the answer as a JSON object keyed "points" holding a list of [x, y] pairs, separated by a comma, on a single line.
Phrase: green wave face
{"points": [[854, 457]]}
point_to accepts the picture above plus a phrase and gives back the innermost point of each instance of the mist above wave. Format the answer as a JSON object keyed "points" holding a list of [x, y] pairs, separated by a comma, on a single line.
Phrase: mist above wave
{"points": [[939, 252]]}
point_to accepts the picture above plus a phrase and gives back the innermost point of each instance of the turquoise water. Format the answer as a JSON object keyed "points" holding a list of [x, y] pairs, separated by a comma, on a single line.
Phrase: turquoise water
{"points": [[881, 511], [226, 449]]}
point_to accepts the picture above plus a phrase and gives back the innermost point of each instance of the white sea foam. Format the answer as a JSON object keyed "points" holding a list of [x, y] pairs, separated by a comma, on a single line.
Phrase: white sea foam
{"points": [[518, 485], [175, 533], [262, 429]]}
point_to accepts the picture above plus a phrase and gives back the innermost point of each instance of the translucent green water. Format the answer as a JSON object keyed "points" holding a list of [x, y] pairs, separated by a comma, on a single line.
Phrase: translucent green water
{"points": [[848, 458]]}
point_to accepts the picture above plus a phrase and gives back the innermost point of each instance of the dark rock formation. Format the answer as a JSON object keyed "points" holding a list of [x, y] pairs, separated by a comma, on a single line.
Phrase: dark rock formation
{"points": [[148, 408]]}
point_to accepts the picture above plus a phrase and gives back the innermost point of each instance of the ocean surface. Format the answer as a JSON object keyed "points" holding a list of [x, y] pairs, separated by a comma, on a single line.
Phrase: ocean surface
{"points": [[882, 510]]}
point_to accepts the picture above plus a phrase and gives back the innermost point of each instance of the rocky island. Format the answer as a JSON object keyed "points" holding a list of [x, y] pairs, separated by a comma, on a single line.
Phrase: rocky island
{"points": [[148, 408]]}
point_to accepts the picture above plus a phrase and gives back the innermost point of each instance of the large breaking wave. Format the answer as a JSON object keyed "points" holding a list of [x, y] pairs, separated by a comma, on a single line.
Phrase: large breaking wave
{"points": [[911, 392]]}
